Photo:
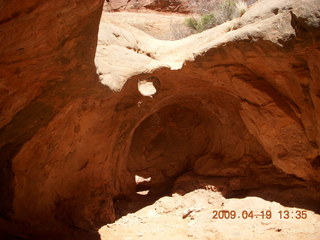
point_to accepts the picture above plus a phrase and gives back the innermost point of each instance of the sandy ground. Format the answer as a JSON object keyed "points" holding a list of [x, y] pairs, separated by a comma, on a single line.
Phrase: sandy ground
{"points": [[192, 216], [164, 26]]}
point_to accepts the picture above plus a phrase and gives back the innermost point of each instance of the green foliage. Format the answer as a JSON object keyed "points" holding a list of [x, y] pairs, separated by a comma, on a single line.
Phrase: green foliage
{"points": [[228, 9], [219, 13], [192, 23], [206, 21]]}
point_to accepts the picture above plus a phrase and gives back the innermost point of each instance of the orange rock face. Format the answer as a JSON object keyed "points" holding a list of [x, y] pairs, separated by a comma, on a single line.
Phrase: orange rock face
{"points": [[69, 146], [47, 52]]}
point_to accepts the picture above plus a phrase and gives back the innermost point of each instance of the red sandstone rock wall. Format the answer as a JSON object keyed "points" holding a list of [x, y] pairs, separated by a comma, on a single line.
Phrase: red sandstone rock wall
{"points": [[69, 145], [46, 65]]}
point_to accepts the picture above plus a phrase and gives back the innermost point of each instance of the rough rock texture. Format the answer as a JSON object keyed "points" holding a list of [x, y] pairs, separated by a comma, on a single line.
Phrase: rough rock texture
{"points": [[47, 69], [239, 101], [255, 78]]}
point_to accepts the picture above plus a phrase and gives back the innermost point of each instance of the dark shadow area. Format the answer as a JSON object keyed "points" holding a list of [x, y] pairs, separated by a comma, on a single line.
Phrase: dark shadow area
{"points": [[145, 196], [10, 230], [296, 197], [167, 142], [182, 148]]}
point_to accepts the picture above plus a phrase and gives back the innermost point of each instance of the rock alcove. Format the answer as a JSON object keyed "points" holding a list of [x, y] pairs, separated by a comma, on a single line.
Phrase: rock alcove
{"points": [[167, 142]]}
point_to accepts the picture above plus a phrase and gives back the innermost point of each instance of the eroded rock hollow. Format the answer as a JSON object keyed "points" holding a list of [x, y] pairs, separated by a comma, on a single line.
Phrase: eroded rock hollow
{"points": [[240, 101]]}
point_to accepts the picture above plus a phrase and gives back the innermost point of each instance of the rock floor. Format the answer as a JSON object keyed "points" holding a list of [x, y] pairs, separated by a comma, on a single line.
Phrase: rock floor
{"points": [[191, 216]]}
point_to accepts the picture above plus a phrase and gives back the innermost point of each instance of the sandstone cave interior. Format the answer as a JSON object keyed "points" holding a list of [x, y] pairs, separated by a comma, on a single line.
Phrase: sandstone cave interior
{"points": [[187, 137], [76, 155]]}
